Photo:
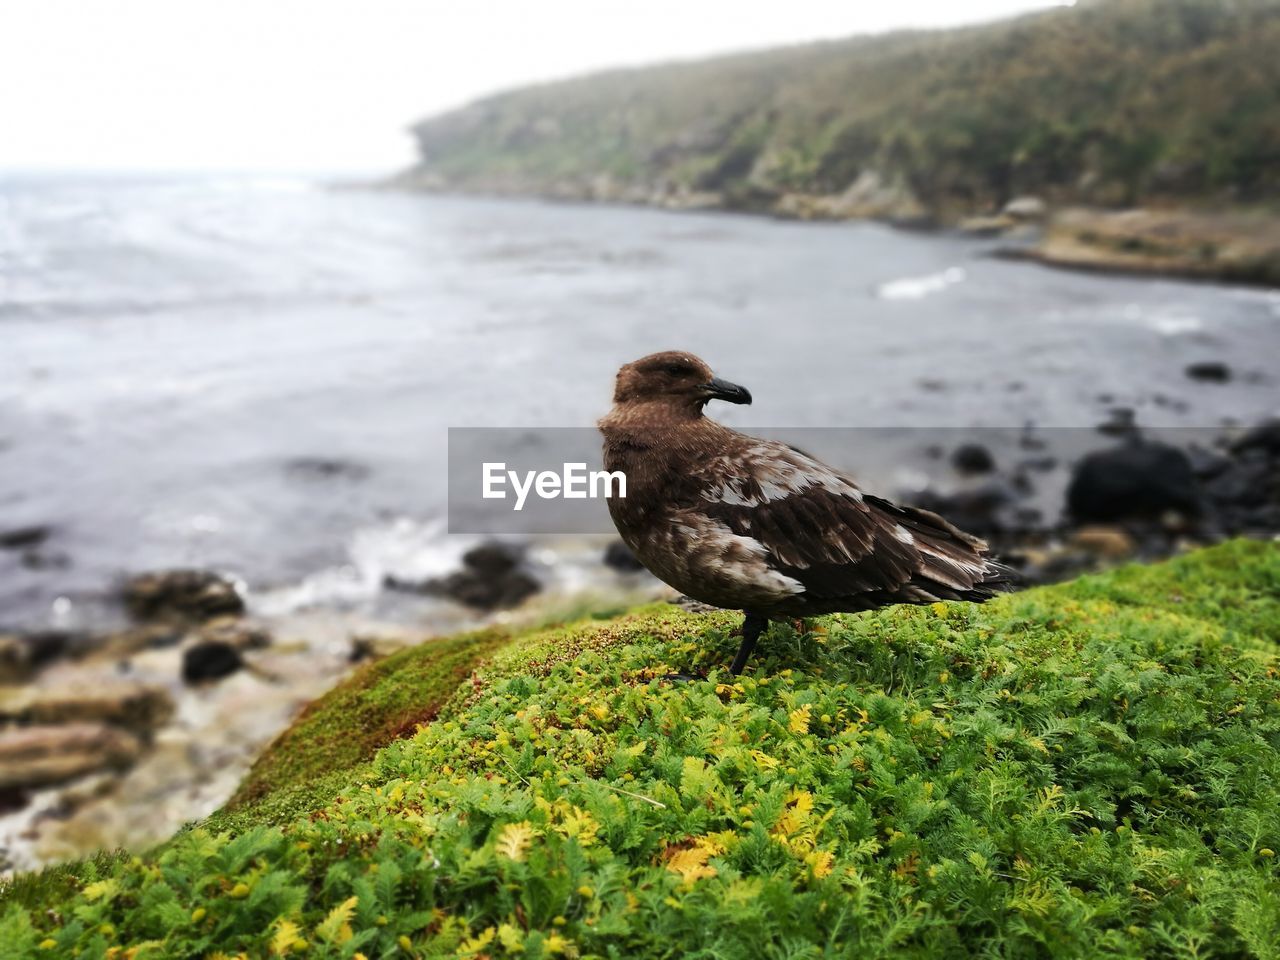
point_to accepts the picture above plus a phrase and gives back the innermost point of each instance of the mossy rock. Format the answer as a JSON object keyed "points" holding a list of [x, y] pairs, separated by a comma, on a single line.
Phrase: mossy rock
{"points": [[1085, 770]]}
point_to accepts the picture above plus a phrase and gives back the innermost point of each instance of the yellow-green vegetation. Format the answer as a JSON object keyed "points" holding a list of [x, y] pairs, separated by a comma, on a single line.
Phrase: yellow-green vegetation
{"points": [[383, 701], [1109, 102], [1085, 770]]}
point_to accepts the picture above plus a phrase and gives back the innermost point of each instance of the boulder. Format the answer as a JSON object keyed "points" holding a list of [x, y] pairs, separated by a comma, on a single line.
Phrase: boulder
{"points": [[210, 660], [972, 458], [1025, 208], [237, 632], [41, 756], [492, 578], [23, 654], [1209, 371], [1138, 481], [182, 594], [493, 558], [618, 556], [90, 699], [1100, 540], [21, 538], [983, 511], [1265, 437], [1120, 422]]}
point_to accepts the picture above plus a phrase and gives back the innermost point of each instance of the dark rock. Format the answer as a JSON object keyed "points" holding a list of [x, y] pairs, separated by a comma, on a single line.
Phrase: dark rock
{"points": [[980, 510], [21, 538], [185, 594], [13, 799], [236, 632], [484, 592], [1207, 464], [22, 654], [1120, 422], [618, 556], [210, 660], [494, 558], [1039, 464], [1265, 436], [1209, 371], [972, 458], [324, 468], [1139, 481], [39, 560], [491, 579]]}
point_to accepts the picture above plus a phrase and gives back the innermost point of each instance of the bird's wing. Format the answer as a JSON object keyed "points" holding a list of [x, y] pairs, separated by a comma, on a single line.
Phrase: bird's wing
{"points": [[818, 528]]}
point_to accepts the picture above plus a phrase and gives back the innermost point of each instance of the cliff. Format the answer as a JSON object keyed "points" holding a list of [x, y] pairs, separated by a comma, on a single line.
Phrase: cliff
{"points": [[1107, 103], [1089, 769]]}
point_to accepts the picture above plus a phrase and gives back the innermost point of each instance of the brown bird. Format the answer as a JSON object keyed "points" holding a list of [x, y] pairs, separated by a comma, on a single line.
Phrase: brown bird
{"points": [[758, 526]]}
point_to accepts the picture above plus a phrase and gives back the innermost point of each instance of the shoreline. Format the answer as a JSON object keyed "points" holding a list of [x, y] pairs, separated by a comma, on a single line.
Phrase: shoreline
{"points": [[1235, 246]]}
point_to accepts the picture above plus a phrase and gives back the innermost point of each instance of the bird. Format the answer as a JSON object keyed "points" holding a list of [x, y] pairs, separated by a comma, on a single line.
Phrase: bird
{"points": [[756, 525]]}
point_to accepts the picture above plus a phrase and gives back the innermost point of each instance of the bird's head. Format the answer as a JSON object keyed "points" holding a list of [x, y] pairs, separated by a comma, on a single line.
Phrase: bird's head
{"points": [[675, 378]]}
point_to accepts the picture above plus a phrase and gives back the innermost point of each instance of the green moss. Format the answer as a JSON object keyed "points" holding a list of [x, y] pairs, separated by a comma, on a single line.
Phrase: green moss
{"points": [[381, 702], [1084, 770]]}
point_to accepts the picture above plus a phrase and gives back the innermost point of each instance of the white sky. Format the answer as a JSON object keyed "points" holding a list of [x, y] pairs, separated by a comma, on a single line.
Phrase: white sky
{"points": [[332, 84]]}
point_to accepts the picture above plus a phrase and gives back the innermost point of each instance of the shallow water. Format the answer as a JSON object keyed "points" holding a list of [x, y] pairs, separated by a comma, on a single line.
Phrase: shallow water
{"points": [[257, 375]]}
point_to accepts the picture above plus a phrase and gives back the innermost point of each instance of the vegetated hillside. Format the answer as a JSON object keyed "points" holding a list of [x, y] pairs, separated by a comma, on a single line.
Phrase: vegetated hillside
{"points": [[1085, 770], [1109, 102]]}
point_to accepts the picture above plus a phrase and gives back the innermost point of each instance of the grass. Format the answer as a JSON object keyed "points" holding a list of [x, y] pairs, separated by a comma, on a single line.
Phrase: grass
{"points": [[1085, 770]]}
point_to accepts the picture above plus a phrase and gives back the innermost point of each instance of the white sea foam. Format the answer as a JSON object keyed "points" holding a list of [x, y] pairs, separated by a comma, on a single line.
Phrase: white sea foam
{"points": [[915, 288], [404, 548]]}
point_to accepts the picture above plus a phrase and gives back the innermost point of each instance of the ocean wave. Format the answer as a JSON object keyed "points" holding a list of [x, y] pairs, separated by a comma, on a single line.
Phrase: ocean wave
{"points": [[915, 288]]}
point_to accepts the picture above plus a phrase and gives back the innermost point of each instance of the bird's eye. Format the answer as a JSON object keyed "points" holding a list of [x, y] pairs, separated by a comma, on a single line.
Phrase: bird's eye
{"points": [[678, 369]]}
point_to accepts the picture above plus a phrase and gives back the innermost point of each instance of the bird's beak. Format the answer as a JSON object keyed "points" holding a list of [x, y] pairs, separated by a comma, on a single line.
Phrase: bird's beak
{"points": [[717, 389]]}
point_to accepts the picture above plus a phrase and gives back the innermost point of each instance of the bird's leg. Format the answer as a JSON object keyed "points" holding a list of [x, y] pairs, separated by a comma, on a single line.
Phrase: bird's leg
{"points": [[752, 626]]}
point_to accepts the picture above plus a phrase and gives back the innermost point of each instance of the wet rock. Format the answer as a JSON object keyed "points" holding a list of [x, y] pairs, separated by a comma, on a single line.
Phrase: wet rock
{"points": [[236, 632], [1120, 422], [210, 660], [376, 646], [983, 510], [22, 538], [184, 594], [493, 558], [1207, 464], [618, 556], [40, 560], [986, 226], [972, 458], [41, 756], [1138, 481], [23, 654], [1209, 371], [99, 699], [1043, 464], [1109, 542], [1265, 437], [146, 636], [325, 468], [1026, 208], [492, 578]]}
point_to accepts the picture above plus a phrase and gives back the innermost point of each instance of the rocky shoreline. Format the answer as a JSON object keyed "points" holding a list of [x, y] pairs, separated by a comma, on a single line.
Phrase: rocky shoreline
{"points": [[1230, 245], [118, 738]]}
